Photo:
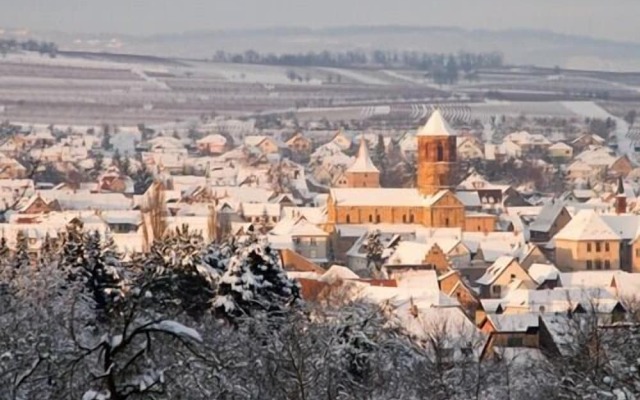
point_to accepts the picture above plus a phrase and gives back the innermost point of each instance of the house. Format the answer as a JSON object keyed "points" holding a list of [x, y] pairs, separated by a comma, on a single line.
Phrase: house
{"points": [[546, 276], [299, 145], [113, 181], [552, 218], [303, 237], [503, 275], [267, 145], [560, 151], [341, 140], [212, 144], [10, 168], [166, 144], [439, 253], [587, 243], [453, 285], [36, 204], [470, 149], [584, 141], [510, 330], [265, 215]]}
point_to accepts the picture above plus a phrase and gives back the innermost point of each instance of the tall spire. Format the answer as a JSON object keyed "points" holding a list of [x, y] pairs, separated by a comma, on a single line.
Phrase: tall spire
{"points": [[621, 198], [620, 189], [363, 162], [436, 126]]}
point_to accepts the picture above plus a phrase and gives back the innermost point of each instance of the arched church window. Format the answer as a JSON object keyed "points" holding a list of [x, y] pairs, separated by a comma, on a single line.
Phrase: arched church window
{"points": [[348, 219], [404, 219], [440, 152], [411, 218], [370, 218], [377, 219]]}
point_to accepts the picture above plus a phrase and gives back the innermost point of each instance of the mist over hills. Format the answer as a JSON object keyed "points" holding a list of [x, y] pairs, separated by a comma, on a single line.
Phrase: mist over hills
{"points": [[519, 46]]}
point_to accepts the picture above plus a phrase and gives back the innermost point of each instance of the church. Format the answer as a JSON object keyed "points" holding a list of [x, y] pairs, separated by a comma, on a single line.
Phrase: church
{"points": [[432, 203]]}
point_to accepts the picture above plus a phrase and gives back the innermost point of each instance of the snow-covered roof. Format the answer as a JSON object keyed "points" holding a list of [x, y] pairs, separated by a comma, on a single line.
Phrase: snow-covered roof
{"points": [[495, 270], [213, 138], [626, 226], [514, 322], [587, 225], [560, 146], [469, 199], [547, 216], [543, 272], [436, 126], [403, 197], [336, 273], [561, 300], [363, 163], [588, 279]]}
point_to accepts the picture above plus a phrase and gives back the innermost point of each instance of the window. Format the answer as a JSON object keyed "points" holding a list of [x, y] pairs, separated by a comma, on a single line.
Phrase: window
{"points": [[589, 264], [411, 218], [446, 222], [514, 342], [348, 219], [313, 242], [598, 264], [496, 290], [588, 247], [440, 153], [607, 264], [370, 218], [606, 246], [404, 220], [598, 247], [377, 219]]}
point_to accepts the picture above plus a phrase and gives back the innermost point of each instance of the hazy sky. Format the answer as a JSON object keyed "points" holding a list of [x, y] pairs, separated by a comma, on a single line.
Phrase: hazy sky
{"points": [[615, 19]]}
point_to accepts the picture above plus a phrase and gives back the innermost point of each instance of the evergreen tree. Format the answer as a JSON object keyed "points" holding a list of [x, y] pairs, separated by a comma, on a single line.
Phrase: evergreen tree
{"points": [[98, 165], [104, 275], [125, 165], [142, 179], [4, 249], [20, 258], [116, 159], [254, 281], [72, 257], [47, 251], [178, 274], [374, 249]]}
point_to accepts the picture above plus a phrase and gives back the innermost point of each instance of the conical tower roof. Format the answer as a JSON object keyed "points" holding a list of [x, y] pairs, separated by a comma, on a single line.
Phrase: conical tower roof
{"points": [[363, 162], [437, 126]]}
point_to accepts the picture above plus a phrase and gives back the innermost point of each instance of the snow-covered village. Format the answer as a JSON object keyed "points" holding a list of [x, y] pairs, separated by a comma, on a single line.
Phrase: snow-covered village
{"points": [[247, 212]]}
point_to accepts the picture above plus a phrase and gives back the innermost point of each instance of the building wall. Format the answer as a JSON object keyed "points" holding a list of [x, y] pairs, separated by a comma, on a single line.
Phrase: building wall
{"points": [[363, 179], [512, 272], [435, 172], [561, 153], [635, 257], [368, 215], [312, 247], [480, 223], [268, 146], [436, 258], [574, 255]]}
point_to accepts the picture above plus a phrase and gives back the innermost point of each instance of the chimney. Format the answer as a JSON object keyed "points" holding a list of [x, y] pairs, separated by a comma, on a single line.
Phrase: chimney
{"points": [[621, 198]]}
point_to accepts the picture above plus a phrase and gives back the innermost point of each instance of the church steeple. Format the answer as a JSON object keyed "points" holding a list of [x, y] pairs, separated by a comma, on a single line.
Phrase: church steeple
{"points": [[363, 173], [621, 198], [437, 154]]}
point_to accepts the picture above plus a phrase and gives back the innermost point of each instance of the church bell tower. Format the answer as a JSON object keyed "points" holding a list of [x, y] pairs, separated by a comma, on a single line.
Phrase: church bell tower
{"points": [[437, 149]]}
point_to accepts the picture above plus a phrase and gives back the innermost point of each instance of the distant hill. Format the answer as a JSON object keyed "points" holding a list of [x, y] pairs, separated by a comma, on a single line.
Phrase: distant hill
{"points": [[520, 46]]}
